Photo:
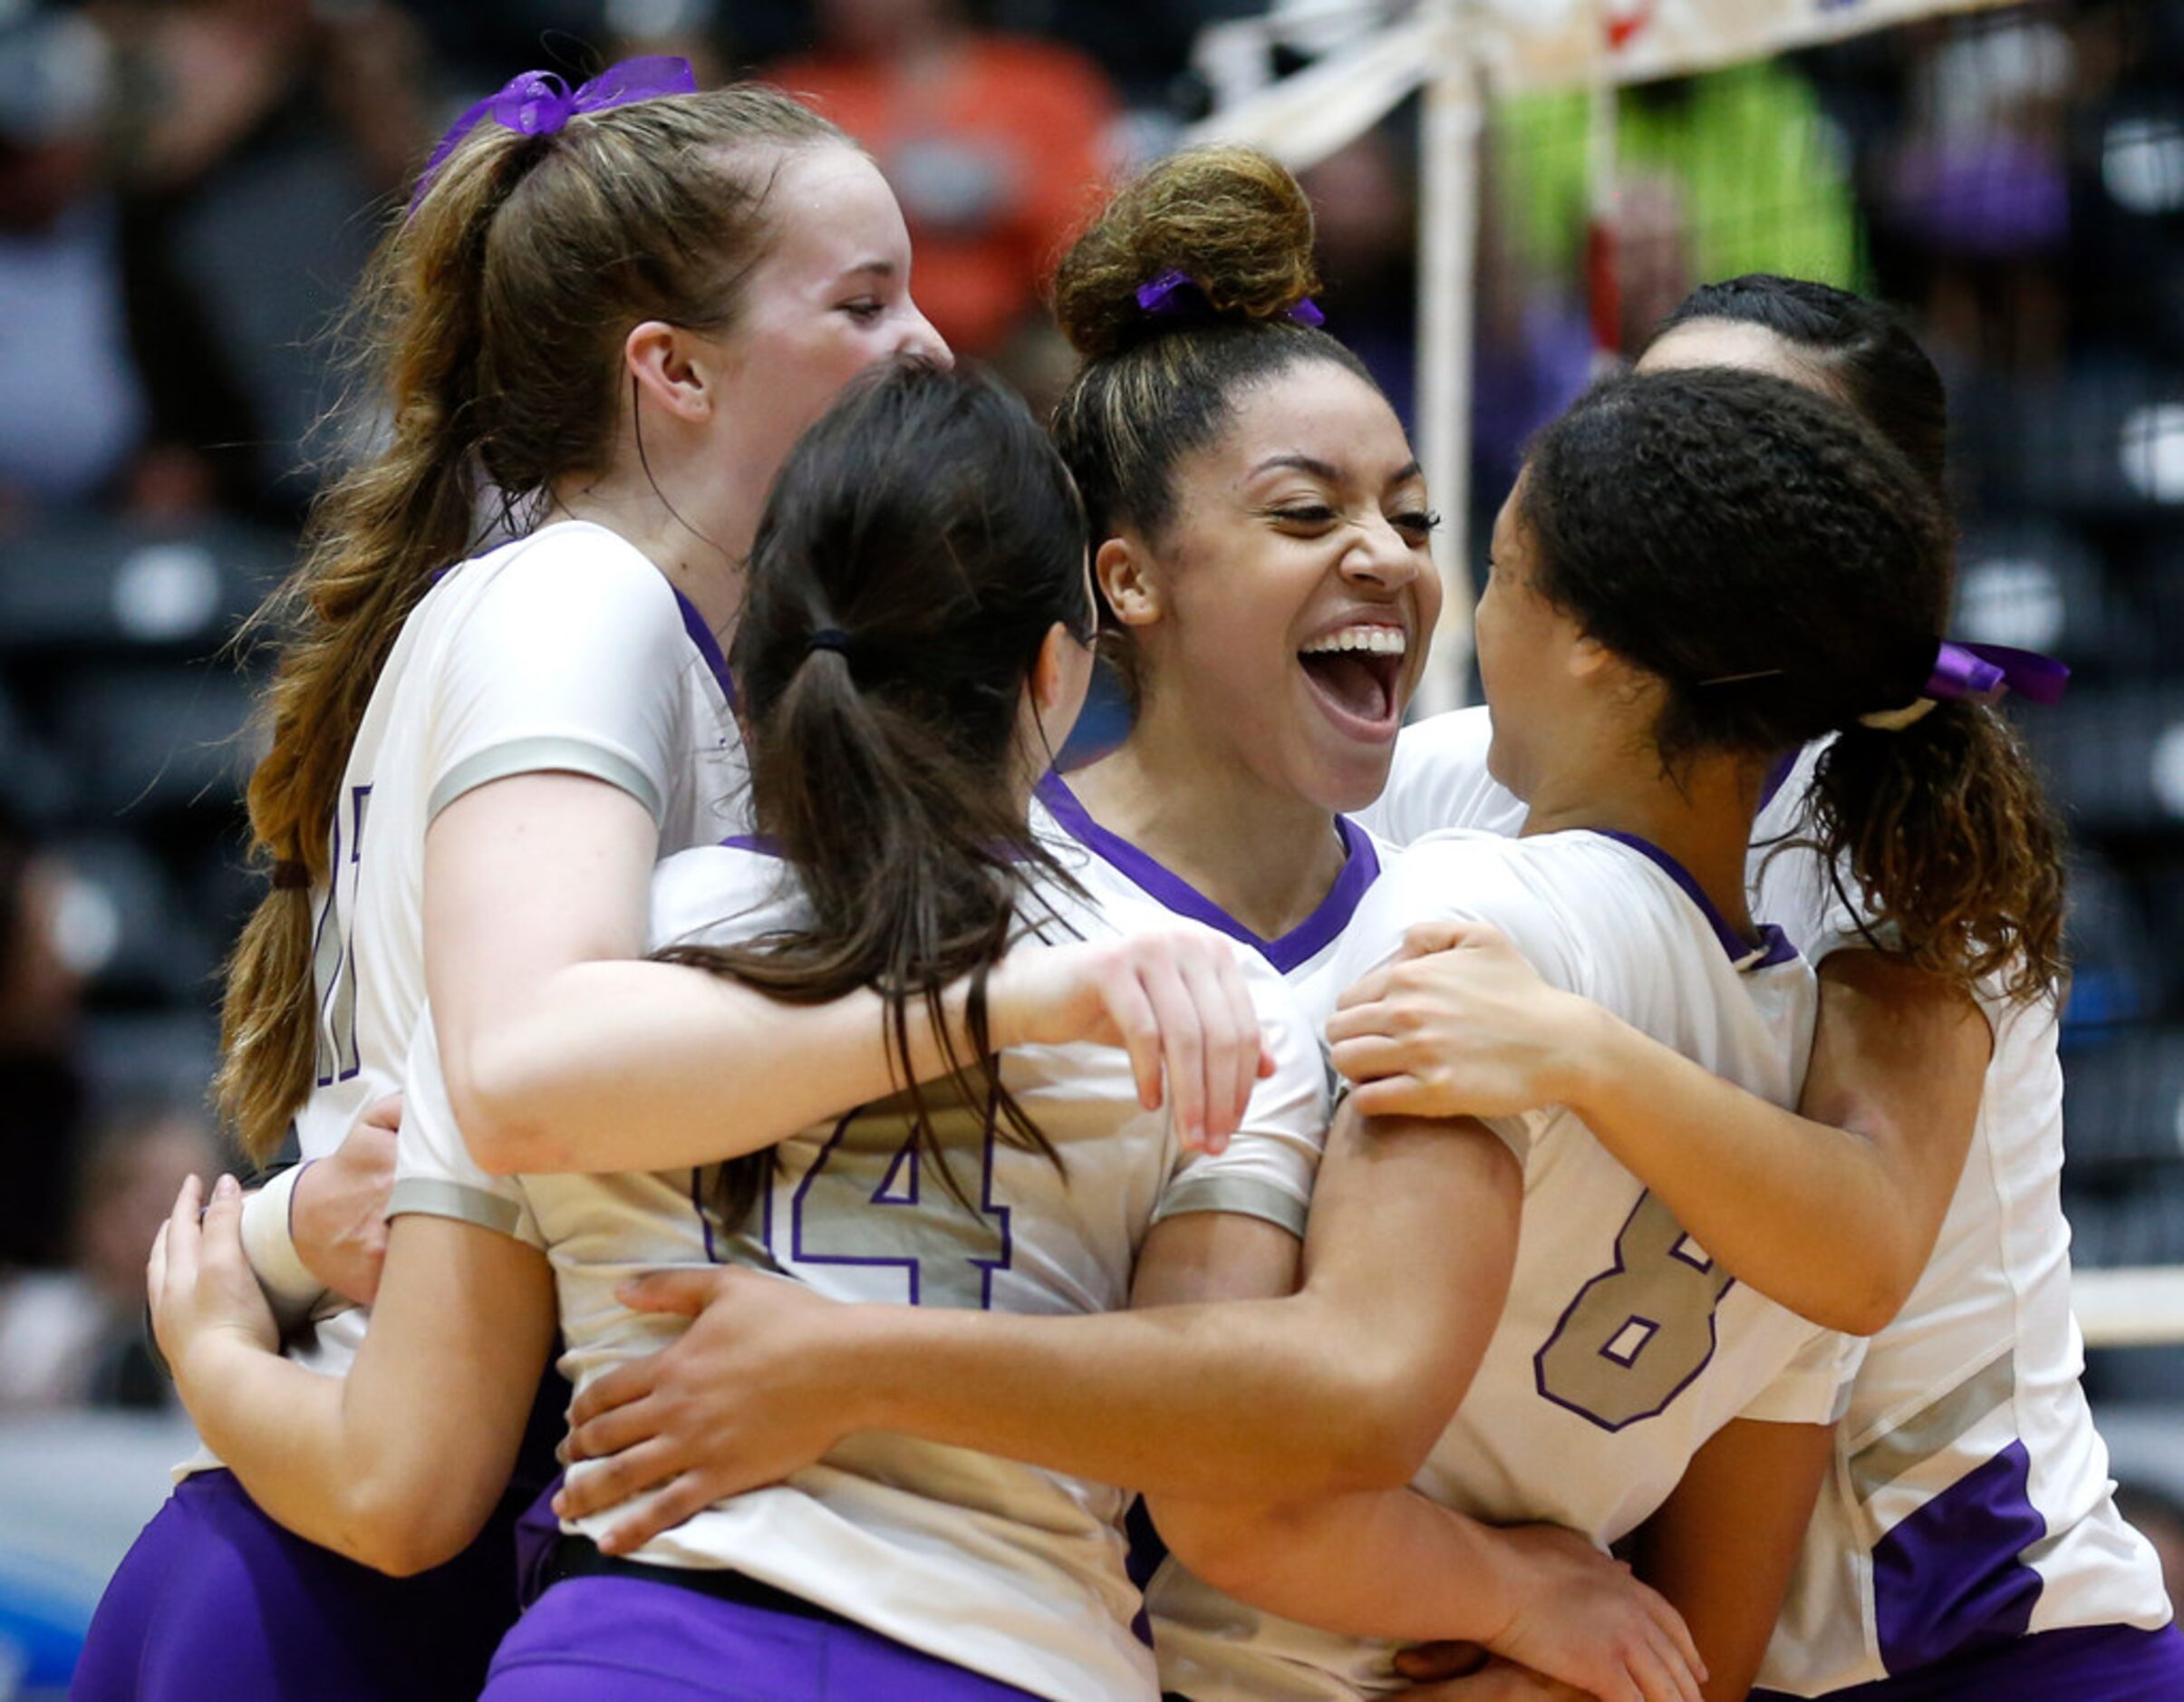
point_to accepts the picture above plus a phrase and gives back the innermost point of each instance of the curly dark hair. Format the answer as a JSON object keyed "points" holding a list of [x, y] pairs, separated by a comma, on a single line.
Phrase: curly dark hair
{"points": [[1785, 572]]}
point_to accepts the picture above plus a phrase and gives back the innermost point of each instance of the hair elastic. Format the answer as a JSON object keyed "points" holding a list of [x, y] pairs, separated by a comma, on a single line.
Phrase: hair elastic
{"points": [[289, 877], [1174, 293], [827, 638], [1982, 674], [539, 102]]}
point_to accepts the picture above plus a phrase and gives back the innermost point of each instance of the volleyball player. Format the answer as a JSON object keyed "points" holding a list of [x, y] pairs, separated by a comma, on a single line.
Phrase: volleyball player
{"points": [[914, 643], [1966, 1543], [474, 766]]}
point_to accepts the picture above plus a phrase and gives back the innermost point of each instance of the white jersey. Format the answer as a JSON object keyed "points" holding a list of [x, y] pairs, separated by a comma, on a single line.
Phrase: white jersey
{"points": [[1970, 1496], [1970, 1499], [564, 651], [998, 1567], [1438, 780], [1622, 1348], [1107, 863]]}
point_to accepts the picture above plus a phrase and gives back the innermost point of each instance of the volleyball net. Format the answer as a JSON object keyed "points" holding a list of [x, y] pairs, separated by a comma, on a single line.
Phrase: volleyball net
{"points": [[2013, 177]]}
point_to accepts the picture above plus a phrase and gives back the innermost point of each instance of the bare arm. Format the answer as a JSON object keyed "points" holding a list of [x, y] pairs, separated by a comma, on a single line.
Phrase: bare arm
{"points": [[399, 1464], [1537, 1594], [563, 1053], [1898, 1064], [1722, 1546], [1343, 1386]]}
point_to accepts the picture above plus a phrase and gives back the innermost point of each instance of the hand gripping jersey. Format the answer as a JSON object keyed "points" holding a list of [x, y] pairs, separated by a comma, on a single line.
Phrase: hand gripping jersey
{"points": [[1970, 1498], [1969, 1501], [565, 651], [1622, 1348], [998, 1567]]}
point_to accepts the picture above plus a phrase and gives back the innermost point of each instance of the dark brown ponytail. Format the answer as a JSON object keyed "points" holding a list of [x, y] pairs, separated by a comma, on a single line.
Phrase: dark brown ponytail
{"points": [[920, 544]]}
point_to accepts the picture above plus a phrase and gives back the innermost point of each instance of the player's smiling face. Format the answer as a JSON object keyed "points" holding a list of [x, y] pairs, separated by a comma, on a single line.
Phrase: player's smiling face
{"points": [[830, 297], [1292, 593]]}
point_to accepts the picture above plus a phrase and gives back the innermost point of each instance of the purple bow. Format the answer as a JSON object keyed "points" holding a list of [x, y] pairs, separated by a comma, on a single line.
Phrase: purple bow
{"points": [[1173, 293], [1987, 671], [539, 102]]}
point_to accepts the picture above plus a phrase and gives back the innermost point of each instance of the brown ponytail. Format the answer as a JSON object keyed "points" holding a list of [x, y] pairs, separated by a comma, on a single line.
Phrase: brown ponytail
{"points": [[487, 332], [922, 541], [1945, 829]]}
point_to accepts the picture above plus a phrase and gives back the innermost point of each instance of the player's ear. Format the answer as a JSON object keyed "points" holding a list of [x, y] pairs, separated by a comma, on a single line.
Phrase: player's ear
{"points": [[1129, 579], [1587, 658], [673, 369]]}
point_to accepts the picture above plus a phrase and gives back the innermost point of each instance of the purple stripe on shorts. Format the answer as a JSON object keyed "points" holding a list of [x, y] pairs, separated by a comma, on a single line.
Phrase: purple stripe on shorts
{"points": [[639, 1641], [2086, 1663], [216, 1603], [1949, 1577]]}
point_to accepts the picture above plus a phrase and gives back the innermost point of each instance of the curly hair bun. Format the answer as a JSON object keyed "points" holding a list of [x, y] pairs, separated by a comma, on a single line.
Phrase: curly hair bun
{"points": [[1231, 220]]}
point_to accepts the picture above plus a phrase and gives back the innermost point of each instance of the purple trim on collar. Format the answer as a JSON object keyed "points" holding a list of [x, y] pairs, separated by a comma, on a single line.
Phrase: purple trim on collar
{"points": [[1300, 945], [1779, 776], [708, 646], [762, 843], [1774, 945]]}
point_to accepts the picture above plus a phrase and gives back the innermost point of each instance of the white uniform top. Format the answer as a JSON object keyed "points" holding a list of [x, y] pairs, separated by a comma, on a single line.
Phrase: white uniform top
{"points": [[1622, 1348], [997, 1566], [1107, 863], [1970, 1496], [565, 651]]}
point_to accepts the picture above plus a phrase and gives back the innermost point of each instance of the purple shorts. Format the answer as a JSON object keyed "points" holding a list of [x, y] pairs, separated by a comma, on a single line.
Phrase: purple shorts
{"points": [[215, 1602], [639, 1641], [2090, 1663]]}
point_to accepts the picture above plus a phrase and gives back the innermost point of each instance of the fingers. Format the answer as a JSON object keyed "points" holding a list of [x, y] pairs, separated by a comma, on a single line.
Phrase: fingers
{"points": [[1249, 1054], [155, 1270], [1182, 1046], [223, 1218], [1123, 996], [1369, 1056], [1368, 989], [611, 1432], [181, 1233], [618, 1387], [1659, 1676], [1674, 1629], [1395, 1096], [608, 1483], [682, 1499], [1228, 1043], [682, 1291], [1424, 938], [385, 1113]]}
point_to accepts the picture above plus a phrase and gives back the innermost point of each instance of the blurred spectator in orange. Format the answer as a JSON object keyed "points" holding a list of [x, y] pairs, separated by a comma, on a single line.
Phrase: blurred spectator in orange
{"points": [[995, 144], [75, 1338]]}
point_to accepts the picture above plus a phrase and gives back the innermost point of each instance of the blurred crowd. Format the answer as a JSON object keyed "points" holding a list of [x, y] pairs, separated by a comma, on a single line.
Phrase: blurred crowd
{"points": [[190, 188]]}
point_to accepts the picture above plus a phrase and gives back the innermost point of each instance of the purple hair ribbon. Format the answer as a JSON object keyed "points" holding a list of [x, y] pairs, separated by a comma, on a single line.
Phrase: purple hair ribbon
{"points": [[539, 102], [1988, 670], [1172, 292]]}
